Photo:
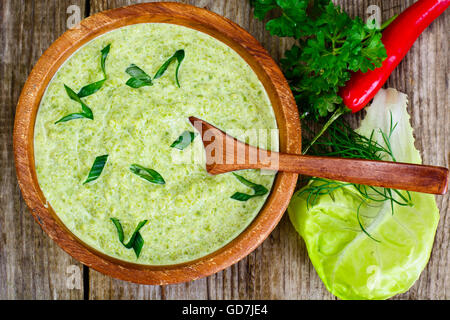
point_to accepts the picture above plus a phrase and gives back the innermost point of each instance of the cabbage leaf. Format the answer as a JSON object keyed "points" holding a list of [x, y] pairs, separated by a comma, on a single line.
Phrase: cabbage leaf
{"points": [[351, 264]]}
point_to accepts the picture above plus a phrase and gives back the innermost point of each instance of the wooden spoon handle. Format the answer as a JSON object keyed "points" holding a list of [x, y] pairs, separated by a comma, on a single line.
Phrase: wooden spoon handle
{"points": [[394, 175], [224, 154]]}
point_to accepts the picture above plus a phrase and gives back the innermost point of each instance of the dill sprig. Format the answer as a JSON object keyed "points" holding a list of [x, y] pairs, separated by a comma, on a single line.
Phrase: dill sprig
{"points": [[342, 141]]}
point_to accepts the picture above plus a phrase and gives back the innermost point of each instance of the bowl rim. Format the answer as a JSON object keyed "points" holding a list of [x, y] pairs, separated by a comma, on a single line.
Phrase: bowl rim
{"points": [[160, 12]]}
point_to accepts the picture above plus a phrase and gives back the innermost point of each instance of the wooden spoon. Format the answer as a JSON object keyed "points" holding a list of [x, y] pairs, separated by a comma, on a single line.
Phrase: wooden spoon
{"points": [[225, 153]]}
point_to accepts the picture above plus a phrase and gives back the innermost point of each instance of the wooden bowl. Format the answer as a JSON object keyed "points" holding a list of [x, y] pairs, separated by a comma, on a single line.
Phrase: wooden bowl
{"points": [[199, 19]]}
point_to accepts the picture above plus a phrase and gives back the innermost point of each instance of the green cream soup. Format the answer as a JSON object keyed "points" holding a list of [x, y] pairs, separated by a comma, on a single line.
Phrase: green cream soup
{"points": [[193, 213]]}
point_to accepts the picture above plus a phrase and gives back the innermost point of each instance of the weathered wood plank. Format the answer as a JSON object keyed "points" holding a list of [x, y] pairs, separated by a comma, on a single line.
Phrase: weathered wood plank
{"points": [[31, 265], [423, 76]]}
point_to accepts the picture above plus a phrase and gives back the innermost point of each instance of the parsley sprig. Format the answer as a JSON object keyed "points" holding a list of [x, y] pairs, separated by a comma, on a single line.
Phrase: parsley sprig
{"points": [[329, 46]]}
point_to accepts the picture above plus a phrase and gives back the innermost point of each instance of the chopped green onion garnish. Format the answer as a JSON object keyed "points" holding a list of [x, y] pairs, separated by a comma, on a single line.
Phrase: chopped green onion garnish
{"points": [[95, 86], [72, 116], [147, 174], [179, 56], [91, 88], [257, 188], [184, 140], [105, 52], [138, 77], [86, 91], [136, 241], [97, 168], [86, 111]]}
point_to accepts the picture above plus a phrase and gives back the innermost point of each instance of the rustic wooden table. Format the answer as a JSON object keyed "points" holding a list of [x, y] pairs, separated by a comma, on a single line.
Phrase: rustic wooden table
{"points": [[32, 266]]}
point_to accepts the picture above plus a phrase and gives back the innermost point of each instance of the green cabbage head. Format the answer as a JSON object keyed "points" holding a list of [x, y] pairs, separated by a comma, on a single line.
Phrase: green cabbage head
{"points": [[351, 264]]}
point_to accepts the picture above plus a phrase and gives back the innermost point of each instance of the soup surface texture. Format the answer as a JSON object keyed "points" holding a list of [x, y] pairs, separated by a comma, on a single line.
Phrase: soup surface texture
{"points": [[192, 214]]}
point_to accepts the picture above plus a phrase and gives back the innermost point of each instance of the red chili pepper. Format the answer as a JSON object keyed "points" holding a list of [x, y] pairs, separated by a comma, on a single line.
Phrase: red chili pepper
{"points": [[398, 38]]}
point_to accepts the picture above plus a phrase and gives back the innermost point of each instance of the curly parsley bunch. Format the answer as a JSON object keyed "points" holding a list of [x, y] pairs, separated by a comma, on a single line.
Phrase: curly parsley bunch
{"points": [[330, 45]]}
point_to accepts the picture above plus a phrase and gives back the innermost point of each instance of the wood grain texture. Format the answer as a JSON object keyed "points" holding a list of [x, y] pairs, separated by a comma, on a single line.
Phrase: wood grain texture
{"points": [[423, 76], [279, 268], [32, 266]]}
